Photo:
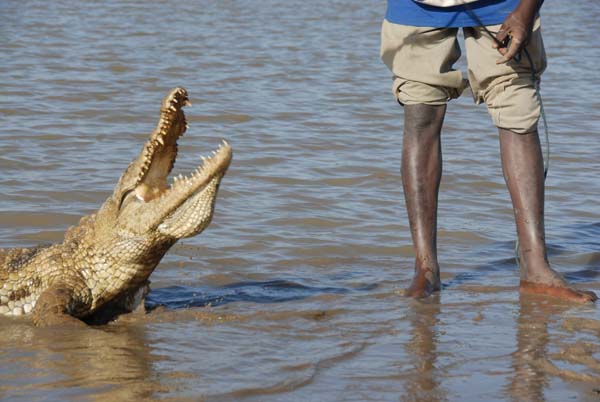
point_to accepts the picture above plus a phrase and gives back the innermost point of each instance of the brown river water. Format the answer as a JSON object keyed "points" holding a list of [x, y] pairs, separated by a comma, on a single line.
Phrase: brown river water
{"points": [[292, 294]]}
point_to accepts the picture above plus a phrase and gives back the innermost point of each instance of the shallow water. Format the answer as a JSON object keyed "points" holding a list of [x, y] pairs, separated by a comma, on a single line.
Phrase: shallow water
{"points": [[292, 292]]}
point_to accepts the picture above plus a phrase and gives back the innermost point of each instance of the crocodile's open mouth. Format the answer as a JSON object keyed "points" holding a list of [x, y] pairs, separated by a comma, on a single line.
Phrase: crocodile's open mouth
{"points": [[160, 153], [181, 206]]}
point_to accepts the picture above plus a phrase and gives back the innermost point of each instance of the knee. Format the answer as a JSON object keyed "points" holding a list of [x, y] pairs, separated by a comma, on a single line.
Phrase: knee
{"points": [[422, 119], [515, 106]]}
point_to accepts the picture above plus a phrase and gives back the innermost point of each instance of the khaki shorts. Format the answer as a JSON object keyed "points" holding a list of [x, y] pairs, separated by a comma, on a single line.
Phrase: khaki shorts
{"points": [[422, 60]]}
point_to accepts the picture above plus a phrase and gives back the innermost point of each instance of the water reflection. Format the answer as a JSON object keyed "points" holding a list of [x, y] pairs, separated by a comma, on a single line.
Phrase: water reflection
{"points": [[532, 368], [100, 364], [424, 381], [530, 380]]}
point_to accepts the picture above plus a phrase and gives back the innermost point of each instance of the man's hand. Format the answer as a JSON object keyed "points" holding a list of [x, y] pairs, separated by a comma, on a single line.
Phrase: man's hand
{"points": [[516, 30]]}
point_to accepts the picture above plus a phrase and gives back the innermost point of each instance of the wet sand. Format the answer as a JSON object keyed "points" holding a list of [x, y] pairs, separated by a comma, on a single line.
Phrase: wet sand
{"points": [[294, 291]]}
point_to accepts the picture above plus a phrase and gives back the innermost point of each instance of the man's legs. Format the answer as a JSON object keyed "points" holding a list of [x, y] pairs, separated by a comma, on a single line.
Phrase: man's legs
{"points": [[421, 175], [523, 169], [421, 60]]}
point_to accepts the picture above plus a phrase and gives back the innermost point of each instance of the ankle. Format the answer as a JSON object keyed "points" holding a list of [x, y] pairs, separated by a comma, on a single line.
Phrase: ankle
{"points": [[430, 274], [533, 259]]}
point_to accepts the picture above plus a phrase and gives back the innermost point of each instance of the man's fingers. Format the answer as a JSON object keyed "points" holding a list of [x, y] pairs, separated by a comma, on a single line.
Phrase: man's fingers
{"points": [[515, 47], [500, 37]]}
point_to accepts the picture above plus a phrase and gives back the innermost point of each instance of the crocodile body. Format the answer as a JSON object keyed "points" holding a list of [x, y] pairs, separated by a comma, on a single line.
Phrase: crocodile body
{"points": [[105, 261]]}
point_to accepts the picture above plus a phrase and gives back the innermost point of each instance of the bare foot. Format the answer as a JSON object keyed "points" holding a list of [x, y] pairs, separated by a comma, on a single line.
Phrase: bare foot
{"points": [[424, 283], [565, 293], [546, 281]]}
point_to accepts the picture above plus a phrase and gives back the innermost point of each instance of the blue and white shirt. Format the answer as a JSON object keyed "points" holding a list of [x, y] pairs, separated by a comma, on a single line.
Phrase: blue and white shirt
{"points": [[483, 12]]}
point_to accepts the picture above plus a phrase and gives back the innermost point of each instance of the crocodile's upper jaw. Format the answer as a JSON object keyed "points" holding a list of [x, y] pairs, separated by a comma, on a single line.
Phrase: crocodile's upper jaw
{"points": [[146, 202]]}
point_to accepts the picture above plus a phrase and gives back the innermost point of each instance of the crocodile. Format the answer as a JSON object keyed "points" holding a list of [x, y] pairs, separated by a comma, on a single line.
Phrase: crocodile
{"points": [[103, 265]]}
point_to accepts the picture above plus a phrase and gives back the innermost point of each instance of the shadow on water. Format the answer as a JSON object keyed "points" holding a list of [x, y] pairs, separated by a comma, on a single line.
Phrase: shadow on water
{"points": [[275, 291], [587, 237], [589, 272], [505, 264], [579, 238]]}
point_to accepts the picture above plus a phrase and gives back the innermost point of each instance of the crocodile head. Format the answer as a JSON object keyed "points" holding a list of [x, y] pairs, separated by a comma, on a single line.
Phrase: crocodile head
{"points": [[146, 202]]}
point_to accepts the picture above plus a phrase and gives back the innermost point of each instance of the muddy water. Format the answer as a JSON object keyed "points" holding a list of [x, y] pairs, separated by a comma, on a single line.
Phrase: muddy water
{"points": [[292, 293]]}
